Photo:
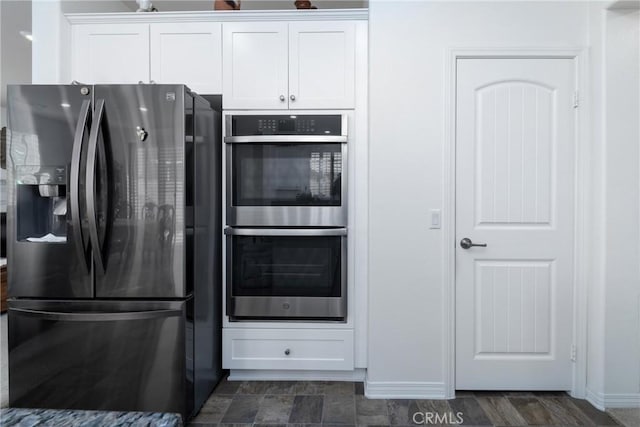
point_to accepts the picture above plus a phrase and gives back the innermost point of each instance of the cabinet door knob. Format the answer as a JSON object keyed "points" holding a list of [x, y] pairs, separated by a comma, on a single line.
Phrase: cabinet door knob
{"points": [[287, 352], [292, 97], [282, 98]]}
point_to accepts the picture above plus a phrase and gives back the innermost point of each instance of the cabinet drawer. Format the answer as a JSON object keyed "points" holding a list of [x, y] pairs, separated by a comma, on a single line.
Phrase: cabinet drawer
{"points": [[306, 349]]}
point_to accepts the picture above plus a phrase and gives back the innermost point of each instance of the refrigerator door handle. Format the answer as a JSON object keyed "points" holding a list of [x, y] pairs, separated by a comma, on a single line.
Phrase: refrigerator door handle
{"points": [[85, 115], [90, 188], [97, 317]]}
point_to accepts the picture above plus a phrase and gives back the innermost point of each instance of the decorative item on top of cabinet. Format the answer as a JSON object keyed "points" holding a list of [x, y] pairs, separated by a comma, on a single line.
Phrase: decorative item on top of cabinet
{"points": [[145, 6], [226, 4], [304, 4]]}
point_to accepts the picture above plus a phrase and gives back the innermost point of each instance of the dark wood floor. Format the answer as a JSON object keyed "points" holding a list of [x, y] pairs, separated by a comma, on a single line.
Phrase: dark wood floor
{"points": [[315, 403]]}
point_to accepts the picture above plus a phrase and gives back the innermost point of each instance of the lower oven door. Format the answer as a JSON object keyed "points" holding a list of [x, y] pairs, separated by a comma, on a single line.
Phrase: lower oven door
{"points": [[286, 274]]}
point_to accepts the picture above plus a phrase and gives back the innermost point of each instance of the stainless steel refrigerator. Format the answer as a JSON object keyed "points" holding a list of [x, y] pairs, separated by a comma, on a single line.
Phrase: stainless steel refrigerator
{"points": [[113, 238]]}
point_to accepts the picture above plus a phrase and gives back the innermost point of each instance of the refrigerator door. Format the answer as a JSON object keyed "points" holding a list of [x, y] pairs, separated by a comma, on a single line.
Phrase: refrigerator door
{"points": [[110, 355], [47, 235], [137, 212]]}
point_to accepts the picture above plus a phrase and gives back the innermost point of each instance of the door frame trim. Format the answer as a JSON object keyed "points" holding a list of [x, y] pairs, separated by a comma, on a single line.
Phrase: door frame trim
{"points": [[582, 160]]}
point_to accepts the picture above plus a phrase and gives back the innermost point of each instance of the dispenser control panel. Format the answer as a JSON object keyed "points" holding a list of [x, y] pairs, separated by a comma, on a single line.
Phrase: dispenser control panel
{"points": [[40, 175]]}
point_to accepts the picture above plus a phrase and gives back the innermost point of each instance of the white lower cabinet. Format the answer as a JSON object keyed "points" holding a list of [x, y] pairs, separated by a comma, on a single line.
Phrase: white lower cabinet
{"points": [[295, 349]]}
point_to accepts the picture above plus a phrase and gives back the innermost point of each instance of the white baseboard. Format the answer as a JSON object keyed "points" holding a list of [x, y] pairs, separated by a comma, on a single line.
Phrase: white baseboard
{"points": [[285, 375], [604, 401], [624, 400], [404, 390], [595, 398]]}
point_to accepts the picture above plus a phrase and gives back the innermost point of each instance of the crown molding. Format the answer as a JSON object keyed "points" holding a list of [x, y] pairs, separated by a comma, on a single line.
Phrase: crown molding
{"points": [[219, 16]]}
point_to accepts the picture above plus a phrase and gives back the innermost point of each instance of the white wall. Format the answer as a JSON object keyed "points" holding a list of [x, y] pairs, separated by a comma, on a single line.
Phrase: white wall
{"points": [[95, 6], [15, 61], [3, 112], [15, 50], [613, 376], [3, 178], [408, 54], [51, 35], [408, 45], [622, 281], [596, 280]]}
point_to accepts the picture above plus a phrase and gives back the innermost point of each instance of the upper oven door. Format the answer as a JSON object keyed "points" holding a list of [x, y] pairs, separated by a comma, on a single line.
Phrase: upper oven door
{"points": [[286, 180]]}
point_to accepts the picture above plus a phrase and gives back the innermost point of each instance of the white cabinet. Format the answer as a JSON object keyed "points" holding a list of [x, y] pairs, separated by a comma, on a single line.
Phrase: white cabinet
{"points": [[321, 65], [189, 53], [186, 53], [254, 65], [298, 65], [110, 53], [288, 349]]}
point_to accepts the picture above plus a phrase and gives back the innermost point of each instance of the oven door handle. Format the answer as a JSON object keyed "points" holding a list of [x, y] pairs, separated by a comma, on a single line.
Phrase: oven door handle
{"points": [[285, 139], [285, 231]]}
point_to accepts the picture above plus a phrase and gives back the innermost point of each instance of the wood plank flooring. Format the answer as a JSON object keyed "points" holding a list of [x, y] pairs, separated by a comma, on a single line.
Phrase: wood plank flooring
{"points": [[343, 404]]}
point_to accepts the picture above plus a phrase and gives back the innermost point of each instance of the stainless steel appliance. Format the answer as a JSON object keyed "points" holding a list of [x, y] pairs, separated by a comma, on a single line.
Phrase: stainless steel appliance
{"points": [[113, 247], [286, 274], [286, 170], [286, 195]]}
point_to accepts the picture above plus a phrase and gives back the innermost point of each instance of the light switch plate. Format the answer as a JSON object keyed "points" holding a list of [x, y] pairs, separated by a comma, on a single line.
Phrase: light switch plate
{"points": [[435, 219]]}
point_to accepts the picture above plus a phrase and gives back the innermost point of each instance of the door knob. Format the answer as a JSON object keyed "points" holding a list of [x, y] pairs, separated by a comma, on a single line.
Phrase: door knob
{"points": [[282, 98], [292, 97], [287, 352], [466, 243]]}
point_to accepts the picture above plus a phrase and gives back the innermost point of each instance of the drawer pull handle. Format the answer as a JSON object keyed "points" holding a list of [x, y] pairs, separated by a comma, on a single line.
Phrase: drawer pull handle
{"points": [[287, 352]]}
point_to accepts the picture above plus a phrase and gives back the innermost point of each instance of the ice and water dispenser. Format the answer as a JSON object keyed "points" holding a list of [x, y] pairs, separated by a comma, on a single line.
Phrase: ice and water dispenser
{"points": [[41, 203]]}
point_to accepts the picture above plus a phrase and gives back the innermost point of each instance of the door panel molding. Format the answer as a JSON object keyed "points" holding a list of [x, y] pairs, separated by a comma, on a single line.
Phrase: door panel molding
{"points": [[582, 233]]}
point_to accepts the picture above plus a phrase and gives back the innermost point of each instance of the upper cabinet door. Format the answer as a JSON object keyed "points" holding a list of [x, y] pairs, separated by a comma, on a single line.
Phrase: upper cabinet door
{"points": [[321, 65], [111, 53], [254, 67], [188, 53]]}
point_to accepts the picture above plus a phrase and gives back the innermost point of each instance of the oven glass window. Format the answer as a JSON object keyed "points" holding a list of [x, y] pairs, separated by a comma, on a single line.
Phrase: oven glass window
{"points": [[287, 174], [304, 266]]}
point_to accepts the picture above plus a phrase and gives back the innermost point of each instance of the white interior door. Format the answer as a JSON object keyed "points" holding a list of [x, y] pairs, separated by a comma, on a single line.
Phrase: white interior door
{"points": [[515, 184]]}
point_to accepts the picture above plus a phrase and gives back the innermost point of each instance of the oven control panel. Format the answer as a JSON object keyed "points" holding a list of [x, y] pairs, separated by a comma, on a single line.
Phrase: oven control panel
{"points": [[287, 125]]}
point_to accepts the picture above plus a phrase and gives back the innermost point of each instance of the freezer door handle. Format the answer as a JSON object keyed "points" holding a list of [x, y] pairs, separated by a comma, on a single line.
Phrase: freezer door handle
{"points": [[96, 317], [90, 188], [85, 116]]}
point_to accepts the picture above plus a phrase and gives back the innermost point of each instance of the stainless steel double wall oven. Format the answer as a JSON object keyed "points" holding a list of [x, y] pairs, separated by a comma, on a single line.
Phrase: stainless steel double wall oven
{"points": [[286, 213]]}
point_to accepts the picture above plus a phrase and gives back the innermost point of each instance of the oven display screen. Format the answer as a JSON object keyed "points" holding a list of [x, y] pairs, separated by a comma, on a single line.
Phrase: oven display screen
{"points": [[286, 125], [307, 124]]}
